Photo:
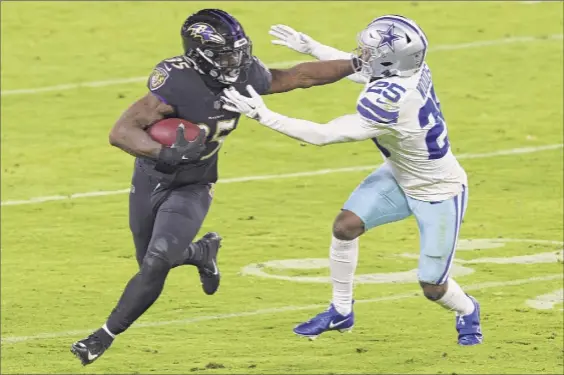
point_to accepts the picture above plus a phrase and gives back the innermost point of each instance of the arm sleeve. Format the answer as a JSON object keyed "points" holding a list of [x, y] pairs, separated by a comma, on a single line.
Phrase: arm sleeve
{"points": [[348, 128], [323, 52]]}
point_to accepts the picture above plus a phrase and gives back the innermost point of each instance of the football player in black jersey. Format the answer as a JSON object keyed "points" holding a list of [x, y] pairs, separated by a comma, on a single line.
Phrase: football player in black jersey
{"points": [[172, 186]]}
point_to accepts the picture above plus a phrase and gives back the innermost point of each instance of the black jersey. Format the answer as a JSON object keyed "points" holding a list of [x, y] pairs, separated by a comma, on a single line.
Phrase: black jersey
{"points": [[196, 98]]}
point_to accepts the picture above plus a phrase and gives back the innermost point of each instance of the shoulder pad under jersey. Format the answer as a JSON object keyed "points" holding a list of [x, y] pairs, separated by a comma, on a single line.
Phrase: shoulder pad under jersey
{"points": [[171, 79], [258, 76]]}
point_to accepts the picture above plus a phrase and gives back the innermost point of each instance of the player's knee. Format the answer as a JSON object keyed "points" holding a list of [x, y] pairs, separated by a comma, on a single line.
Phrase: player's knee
{"points": [[433, 292], [347, 226], [154, 268], [166, 246], [162, 250]]}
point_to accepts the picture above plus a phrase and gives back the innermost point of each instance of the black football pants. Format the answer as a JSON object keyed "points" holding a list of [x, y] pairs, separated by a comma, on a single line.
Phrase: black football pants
{"points": [[164, 220]]}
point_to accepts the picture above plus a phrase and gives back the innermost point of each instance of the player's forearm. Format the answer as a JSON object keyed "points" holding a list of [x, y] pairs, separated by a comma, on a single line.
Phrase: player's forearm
{"points": [[134, 141], [326, 53], [129, 131], [347, 128], [310, 74], [303, 130], [323, 73]]}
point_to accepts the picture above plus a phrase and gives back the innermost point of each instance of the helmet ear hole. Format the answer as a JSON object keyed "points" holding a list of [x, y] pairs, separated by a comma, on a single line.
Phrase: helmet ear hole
{"points": [[387, 63]]}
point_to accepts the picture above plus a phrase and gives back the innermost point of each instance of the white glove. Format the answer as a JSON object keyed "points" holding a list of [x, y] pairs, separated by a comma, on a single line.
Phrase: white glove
{"points": [[292, 39], [235, 102]]}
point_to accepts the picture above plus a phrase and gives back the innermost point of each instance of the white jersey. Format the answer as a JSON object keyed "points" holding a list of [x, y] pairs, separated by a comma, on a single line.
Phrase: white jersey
{"points": [[412, 135], [402, 115]]}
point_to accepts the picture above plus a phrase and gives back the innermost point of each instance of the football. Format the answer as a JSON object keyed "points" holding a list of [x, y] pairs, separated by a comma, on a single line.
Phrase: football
{"points": [[164, 131]]}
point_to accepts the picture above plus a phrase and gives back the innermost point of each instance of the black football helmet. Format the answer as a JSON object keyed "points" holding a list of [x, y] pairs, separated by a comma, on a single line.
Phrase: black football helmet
{"points": [[218, 45]]}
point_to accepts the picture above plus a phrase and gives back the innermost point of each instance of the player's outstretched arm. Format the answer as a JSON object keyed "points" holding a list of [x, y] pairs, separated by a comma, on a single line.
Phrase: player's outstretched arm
{"points": [[310, 74], [129, 132], [348, 128], [302, 43]]}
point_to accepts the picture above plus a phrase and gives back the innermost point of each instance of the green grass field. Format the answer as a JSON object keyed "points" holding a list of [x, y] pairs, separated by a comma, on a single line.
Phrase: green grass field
{"points": [[498, 70]]}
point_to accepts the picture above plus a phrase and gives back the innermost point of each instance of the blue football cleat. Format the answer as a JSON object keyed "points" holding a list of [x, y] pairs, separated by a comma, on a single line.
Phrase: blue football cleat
{"points": [[468, 326], [328, 320]]}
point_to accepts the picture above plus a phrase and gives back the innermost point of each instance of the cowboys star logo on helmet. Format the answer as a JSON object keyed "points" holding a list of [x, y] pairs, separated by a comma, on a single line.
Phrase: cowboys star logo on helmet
{"points": [[388, 37], [206, 33]]}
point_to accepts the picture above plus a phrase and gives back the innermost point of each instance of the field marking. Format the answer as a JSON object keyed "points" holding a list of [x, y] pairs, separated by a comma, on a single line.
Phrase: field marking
{"points": [[459, 269], [479, 286], [547, 301], [282, 64], [90, 194]]}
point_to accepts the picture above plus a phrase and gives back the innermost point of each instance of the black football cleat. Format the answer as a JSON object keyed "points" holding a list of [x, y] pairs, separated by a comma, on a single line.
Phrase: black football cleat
{"points": [[89, 349], [209, 272]]}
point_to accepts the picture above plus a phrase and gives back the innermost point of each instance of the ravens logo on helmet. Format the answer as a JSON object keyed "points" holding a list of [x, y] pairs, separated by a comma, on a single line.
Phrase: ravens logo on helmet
{"points": [[217, 45]]}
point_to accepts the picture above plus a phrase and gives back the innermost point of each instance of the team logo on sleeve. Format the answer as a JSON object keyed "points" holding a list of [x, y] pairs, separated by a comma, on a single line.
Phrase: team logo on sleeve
{"points": [[206, 33], [158, 78]]}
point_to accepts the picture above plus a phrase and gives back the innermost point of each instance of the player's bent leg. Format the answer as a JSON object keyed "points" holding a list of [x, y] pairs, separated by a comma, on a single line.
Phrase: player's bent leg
{"points": [[377, 200], [439, 224], [187, 208], [209, 272], [343, 255], [451, 297], [177, 222], [141, 211], [139, 294], [347, 226], [343, 259]]}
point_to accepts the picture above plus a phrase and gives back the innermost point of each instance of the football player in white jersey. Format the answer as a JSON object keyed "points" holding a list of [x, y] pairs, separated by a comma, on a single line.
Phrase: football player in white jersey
{"points": [[400, 112]]}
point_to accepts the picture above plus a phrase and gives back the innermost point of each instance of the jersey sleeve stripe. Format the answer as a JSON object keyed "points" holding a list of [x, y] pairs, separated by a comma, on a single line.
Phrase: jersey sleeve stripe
{"points": [[161, 98], [387, 116], [371, 116]]}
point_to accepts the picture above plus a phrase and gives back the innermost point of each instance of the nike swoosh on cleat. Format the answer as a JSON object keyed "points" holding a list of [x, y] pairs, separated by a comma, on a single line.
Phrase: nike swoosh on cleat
{"points": [[215, 270], [331, 325], [209, 272], [91, 356]]}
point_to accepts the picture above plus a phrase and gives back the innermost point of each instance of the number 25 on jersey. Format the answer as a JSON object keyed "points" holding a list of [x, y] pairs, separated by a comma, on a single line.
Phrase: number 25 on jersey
{"points": [[430, 117]]}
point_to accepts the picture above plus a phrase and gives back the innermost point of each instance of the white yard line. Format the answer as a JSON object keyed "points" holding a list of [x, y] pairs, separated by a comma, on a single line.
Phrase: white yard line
{"points": [[121, 81], [271, 311], [512, 151]]}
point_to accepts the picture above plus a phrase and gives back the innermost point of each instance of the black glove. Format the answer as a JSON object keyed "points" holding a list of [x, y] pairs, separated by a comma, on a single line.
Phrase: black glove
{"points": [[181, 151]]}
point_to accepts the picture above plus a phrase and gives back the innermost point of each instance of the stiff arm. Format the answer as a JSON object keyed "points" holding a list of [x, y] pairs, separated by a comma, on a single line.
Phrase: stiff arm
{"points": [[308, 74]]}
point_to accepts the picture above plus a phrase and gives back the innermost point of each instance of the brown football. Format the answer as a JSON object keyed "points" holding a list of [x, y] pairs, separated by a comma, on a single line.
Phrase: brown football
{"points": [[164, 131]]}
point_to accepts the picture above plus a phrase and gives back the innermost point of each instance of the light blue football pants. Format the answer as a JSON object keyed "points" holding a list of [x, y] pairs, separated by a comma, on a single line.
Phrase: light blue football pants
{"points": [[379, 200]]}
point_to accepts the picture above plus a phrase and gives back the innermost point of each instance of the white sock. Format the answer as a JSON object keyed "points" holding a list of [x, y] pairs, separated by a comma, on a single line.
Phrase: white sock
{"points": [[105, 328], [343, 257], [456, 300]]}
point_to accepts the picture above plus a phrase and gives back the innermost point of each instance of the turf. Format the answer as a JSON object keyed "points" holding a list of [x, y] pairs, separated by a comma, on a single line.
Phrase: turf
{"points": [[64, 263]]}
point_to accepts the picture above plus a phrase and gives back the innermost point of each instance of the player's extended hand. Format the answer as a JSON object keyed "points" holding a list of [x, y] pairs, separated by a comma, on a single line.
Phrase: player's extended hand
{"points": [[235, 102], [182, 151], [291, 38]]}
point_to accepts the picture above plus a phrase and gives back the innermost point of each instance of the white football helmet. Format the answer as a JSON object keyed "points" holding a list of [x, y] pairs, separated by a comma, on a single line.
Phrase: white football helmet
{"points": [[391, 45]]}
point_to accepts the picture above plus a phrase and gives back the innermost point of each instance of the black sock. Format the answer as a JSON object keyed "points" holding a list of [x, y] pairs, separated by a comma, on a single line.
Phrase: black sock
{"points": [[139, 294], [193, 255], [104, 337]]}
